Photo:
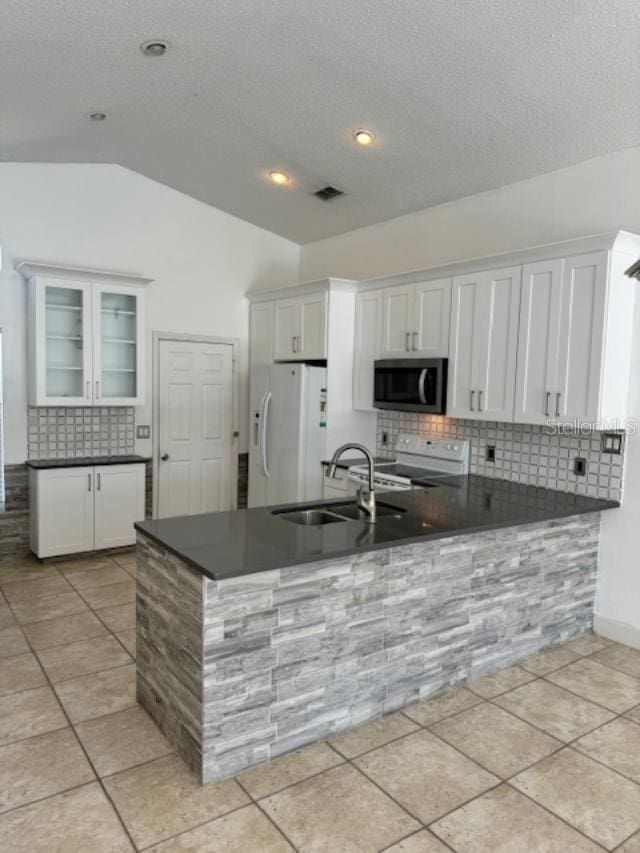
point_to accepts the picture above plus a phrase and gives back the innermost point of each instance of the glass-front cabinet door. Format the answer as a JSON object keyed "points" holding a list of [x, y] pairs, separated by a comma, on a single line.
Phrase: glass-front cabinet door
{"points": [[63, 363], [118, 346]]}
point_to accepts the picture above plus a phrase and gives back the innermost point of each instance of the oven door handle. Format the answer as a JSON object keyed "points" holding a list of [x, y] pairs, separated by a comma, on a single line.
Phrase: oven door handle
{"points": [[421, 391]]}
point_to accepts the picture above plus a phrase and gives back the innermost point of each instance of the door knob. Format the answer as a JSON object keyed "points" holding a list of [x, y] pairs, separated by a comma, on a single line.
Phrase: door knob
{"points": [[164, 457]]}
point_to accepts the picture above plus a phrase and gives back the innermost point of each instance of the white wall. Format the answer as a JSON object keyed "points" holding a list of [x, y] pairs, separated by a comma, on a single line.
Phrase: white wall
{"points": [[202, 261], [599, 195], [592, 197]]}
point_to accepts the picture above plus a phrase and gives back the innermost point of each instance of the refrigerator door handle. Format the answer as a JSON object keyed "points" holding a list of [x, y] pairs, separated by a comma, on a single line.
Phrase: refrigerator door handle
{"points": [[264, 426]]}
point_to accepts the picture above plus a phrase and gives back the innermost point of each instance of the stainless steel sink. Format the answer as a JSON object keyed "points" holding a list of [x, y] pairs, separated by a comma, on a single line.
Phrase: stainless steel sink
{"points": [[333, 513], [308, 516]]}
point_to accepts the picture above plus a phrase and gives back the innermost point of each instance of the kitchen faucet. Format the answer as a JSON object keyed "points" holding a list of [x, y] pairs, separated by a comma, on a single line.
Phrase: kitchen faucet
{"points": [[366, 503]]}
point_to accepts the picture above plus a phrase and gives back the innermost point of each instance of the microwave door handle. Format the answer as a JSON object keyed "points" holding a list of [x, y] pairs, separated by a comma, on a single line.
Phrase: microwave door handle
{"points": [[421, 390], [264, 426]]}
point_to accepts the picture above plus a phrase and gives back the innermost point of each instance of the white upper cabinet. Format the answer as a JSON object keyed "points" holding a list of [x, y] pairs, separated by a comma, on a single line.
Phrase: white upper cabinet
{"points": [[564, 347], [118, 346], [86, 337], [416, 320], [483, 345], [300, 328], [261, 333], [368, 346], [538, 340]]}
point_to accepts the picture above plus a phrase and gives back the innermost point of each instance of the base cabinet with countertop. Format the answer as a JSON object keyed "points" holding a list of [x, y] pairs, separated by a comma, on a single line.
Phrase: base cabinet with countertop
{"points": [[75, 509]]}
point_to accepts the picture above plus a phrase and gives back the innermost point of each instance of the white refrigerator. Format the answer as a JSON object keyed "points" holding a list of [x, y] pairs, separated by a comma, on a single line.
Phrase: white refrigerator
{"points": [[288, 433]]}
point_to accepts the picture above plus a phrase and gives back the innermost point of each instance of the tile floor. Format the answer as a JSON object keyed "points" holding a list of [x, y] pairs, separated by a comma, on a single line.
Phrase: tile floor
{"points": [[544, 756]]}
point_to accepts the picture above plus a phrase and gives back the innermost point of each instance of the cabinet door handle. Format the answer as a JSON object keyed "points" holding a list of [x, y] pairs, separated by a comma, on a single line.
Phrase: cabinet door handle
{"points": [[558, 395], [546, 403], [99, 481], [415, 341], [88, 394], [294, 344], [471, 396], [97, 389], [88, 482], [407, 342], [480, 400]]}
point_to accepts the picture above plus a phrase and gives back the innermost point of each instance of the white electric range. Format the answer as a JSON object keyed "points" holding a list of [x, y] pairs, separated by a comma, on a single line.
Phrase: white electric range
{"points": [[419, 461]]}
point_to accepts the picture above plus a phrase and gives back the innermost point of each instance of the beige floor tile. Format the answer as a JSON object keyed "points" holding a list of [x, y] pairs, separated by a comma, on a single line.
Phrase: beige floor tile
{"points": [[82, 564], [7, 619], [26, 590], [425, 775], [163, 798], [30, 713], [12, 642], [498, 741], [75, 822], [620, 657], [94, 578], [131, 569], [338, 810], [371, 735], [597, 801], [127, 561], [594, 681], [21, 672], [239, 832], [548, 660], [81, 658], [40, 767], [419, 842], [499, 682], [617, 745], [27, 569], [111, 595], [122, 740], [587, 644], [630, 846], [128, 640], [558, 712], [119, 618], [98, 694], [634, 714], [49, 607], [503, 820], [288, 769], [63, 630], [429, 711]]}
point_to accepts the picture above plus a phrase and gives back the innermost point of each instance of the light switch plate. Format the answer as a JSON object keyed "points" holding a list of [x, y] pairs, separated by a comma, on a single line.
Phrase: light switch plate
{"points": [[143, 431]]}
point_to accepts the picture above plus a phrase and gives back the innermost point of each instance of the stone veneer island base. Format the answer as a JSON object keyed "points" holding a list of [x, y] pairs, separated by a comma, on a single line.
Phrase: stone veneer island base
{"points": [[238, 671]]}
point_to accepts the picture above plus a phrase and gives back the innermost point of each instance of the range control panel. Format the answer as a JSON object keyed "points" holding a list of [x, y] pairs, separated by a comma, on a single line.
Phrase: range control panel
{"points": [[436, 448]]}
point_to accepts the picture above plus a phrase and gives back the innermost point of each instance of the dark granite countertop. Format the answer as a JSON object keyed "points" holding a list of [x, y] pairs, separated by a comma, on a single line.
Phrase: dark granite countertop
{"points": [[82, 461], [228, 544]]}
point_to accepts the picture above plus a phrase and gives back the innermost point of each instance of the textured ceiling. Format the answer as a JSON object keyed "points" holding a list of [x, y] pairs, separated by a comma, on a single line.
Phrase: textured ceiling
{"points": [[464, 96]]}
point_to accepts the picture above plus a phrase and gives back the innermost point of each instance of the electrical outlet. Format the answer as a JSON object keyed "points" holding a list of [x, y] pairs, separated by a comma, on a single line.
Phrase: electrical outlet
{"points": [[385, 438], [580, 466], [611, 442], [143, 431], [491, 453]]}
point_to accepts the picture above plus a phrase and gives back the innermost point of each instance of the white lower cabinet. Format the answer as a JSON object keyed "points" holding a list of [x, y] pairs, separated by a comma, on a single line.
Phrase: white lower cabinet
{"points": [[85, 509]]}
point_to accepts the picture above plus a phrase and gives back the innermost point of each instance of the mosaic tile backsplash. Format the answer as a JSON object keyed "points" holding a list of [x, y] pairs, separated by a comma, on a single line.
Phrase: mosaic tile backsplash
{"points": [[67, 433], [523, 453]]}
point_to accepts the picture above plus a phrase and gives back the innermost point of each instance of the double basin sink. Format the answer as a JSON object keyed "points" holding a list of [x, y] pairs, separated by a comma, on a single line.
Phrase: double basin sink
{"points": [[333, 513]]}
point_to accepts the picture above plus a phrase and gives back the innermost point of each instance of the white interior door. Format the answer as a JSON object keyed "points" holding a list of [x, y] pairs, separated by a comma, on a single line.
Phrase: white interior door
{"points": [[195, 429]]}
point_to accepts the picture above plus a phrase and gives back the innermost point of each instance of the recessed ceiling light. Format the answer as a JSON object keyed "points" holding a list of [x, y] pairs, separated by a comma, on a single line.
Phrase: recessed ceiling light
{"points": [[96, 116], [279, 177], [154, 47], [364, 137]]}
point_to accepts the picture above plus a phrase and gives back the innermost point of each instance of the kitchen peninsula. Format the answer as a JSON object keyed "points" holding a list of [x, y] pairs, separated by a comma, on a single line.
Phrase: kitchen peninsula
{"points": [[257, 635]]}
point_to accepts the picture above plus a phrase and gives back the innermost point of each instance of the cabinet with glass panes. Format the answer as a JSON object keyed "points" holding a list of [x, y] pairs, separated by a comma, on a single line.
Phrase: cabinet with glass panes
{"points": [[86, 337]]}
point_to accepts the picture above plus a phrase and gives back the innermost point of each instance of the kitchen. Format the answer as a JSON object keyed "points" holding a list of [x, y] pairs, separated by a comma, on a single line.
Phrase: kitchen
{"points": [[372, 422]]}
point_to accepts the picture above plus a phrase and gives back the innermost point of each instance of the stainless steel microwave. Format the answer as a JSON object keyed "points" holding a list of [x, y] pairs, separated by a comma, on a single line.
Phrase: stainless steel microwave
{"points": [[411, 385]]}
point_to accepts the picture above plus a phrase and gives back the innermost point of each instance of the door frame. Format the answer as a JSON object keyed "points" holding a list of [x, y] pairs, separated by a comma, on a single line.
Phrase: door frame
{"points": [[234, 343]]}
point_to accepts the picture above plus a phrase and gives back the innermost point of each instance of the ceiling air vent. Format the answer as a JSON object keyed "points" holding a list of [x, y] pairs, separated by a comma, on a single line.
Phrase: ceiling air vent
{"points": [[328, 193]]}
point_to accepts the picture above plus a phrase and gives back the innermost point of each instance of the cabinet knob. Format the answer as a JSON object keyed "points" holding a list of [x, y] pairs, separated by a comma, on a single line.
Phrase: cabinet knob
{"points": [[164, 457]]}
